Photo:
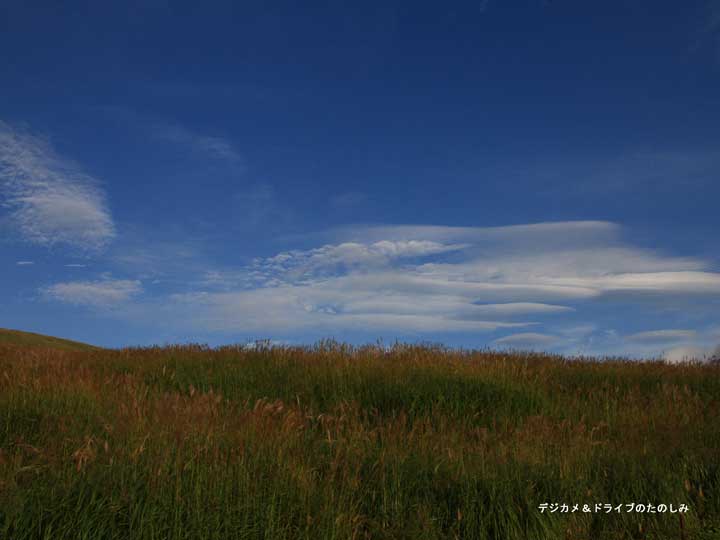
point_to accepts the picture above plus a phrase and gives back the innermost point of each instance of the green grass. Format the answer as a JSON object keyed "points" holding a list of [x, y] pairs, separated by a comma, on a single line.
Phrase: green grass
{"points": [[335, 442], [29, 339]]}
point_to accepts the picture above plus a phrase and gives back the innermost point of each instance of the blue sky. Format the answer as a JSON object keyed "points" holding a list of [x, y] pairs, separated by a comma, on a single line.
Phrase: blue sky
{"points": [[528, 174]]}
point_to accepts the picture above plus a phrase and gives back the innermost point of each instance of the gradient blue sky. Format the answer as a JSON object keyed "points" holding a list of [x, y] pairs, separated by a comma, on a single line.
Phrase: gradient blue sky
{"points": [[532, 174]]}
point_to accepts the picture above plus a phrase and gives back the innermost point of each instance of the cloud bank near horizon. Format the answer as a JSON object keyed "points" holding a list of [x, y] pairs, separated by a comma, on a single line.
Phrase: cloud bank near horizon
{"points": [[427, 280]]}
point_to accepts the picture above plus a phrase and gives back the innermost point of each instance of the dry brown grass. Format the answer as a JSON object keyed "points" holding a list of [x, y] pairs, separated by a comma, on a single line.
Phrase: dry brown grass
{"points": [[187, 442]]}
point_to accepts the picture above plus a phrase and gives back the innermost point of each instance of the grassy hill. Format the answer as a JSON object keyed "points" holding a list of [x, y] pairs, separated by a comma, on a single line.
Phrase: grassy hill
{"points": [[337, 442], [29, 339]]}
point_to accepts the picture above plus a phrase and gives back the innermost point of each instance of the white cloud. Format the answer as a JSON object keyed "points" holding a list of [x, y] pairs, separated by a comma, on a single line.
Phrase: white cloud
{"points": [[527, 340], [337, 259], [25, 263], [50, 199], [667, 282], [698, 346], [212, 147], [655, 336], [597, 269], [290, 308], [532, 237], [688, 353], [421, 280], [581, 259], [102, 293], [516, 308], [452, 306], [475, 291], [442, 279]]}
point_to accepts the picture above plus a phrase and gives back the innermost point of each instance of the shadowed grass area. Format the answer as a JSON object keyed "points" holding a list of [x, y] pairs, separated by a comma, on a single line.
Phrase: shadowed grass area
{"points": [[337, 442], [29, 339]]}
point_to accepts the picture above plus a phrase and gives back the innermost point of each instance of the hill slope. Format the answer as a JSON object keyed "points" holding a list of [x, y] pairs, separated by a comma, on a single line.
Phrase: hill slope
{"points": [[29, 339]]}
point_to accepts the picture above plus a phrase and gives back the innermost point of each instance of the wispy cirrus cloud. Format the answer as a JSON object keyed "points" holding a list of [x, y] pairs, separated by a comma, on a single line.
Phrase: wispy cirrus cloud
{"points": [[342, 258], [217, 148], [101, 293], [50, 199], [662, 336], [191, 140]]}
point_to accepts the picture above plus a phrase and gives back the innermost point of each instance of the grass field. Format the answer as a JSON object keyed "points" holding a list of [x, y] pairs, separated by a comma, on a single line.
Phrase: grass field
{"points": [[335, 442], [29, 339]]}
